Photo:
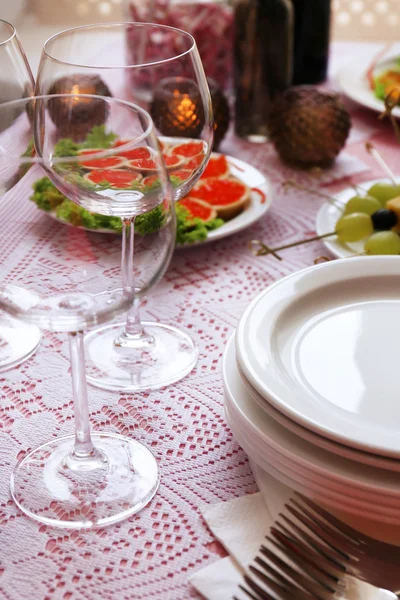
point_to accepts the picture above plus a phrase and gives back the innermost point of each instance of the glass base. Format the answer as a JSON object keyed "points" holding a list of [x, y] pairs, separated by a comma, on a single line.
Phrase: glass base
{"points": [[170, 357], [48, 486], [18, 342]]}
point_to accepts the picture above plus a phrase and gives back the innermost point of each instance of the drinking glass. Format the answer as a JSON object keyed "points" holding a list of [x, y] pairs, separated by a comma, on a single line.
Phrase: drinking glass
{"points": [[146, 63], [67, 279], [18, 341]]}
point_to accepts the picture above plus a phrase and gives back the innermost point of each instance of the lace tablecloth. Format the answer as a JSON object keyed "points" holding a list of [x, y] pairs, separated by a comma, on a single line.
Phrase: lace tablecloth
{"points": [[204, 291]]}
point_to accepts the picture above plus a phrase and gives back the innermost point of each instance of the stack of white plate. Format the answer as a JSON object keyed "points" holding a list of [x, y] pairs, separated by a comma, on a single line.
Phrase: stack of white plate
{"points": [[312, 384]]}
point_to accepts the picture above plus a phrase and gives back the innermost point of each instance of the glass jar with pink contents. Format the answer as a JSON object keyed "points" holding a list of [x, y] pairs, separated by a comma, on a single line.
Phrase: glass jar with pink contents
{"points": [[210, 22]]}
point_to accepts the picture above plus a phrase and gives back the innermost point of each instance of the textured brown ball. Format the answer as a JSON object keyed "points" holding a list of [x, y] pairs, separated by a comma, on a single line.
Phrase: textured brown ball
{"points": [[74, 116], [221, 113], [309, 126]]}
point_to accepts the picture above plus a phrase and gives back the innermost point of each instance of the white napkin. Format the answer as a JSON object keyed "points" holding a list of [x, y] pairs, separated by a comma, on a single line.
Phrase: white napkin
{"points": [[240, 525]]}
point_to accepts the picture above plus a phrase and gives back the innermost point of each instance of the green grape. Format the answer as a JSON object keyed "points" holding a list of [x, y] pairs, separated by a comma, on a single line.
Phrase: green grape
{"points": [[384, 192], [362, 204], [354, 227], [383, 242]]}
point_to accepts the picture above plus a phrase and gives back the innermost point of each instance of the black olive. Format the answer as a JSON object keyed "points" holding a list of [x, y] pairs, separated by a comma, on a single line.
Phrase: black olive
{"points": [[384, 219]]}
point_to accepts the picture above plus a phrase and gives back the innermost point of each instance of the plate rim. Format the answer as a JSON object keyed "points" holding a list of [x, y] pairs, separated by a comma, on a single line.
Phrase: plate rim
{"points": [[255, 210], [355, 73], [341, 477], [355, 264], [220, 233], [312, 437]]}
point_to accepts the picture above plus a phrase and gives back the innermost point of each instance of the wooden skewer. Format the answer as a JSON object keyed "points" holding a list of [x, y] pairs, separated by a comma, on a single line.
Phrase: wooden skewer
{"points": [[258, 248], [298, 186], [375, 154]]}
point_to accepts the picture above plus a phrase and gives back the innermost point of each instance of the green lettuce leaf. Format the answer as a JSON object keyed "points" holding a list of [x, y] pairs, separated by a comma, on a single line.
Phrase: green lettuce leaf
{"points": [[99, 138]]}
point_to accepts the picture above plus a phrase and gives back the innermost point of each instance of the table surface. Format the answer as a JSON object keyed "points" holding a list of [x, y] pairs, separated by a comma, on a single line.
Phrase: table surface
{"points": [[204, 291]]}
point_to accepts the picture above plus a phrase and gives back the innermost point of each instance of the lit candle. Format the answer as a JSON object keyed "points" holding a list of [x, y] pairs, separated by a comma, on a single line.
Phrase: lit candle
{"points": [[75, 116], [177, 109]]}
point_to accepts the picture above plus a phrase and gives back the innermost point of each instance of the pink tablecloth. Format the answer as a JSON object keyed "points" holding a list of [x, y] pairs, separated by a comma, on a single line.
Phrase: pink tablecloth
{"points": [[204, 291]]}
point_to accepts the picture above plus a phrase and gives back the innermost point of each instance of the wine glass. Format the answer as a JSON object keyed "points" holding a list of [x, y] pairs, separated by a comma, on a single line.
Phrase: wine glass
{"points": [[160, 69], [67, 279], [18, 341]]}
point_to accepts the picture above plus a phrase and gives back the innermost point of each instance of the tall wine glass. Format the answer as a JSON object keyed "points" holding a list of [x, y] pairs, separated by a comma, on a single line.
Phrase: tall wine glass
{"points": [[159, 67], [67, 279], [18, 341]]}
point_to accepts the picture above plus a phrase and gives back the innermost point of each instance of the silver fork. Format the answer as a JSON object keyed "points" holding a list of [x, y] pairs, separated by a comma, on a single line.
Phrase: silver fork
{"points": [[310, 526], [280, 572], [321, 551]]}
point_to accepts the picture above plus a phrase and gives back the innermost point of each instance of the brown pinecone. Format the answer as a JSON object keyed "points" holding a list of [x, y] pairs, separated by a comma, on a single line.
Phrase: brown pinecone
{"points": [[309, 126], [221, 113], [75, 117]]}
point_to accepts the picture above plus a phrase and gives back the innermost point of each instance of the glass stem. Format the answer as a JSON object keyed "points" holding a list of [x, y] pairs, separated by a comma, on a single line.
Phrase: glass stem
{"points": [[84, 455], [134, 335], [128, 240], [133, 325]]}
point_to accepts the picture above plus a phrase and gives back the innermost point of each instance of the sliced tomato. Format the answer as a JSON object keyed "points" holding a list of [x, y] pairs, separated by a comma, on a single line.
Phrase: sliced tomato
{"points": [[195, 161], [150, 180], [135, 153], [217, 166], [116, 177], [109, 162], [182, 174], [220, 192], [188, 149], [198, 208]]}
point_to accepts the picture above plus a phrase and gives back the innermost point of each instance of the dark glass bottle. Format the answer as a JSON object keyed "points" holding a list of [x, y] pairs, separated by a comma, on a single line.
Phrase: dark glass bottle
{"points": [[311, 40], [263, 53]]}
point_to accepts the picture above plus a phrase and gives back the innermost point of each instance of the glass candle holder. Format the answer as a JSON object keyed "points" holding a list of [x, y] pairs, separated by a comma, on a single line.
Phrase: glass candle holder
{"points": [[177, 108], [75, 119]]}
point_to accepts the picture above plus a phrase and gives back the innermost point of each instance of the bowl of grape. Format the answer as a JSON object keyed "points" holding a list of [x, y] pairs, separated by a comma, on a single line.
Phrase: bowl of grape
{"points": [[362, 220]]}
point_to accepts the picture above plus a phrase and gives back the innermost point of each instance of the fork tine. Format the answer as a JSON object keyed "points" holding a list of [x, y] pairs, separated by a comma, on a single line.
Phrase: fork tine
{"points": [[250, 595], [348, 531], [281, 591], [309, 578], [331, 555], [320, 569], [262, 592], [329, 536], [298, 593]]}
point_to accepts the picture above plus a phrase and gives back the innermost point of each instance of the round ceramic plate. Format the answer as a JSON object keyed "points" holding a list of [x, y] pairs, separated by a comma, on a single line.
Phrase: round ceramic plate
{"points": [[260, 202], [354, 83], [321, 346], [351, 483], [380, 462], [328, 215]]}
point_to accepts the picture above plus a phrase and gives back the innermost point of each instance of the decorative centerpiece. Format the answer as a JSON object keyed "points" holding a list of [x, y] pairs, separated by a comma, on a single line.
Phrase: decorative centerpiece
{"points": [[75, 117], [309, 126], [221, 112], [177, 109]]}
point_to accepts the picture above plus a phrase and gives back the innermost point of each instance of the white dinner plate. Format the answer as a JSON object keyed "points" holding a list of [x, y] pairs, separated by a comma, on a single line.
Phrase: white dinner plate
{"points": [[321, 345], [269, 443], [380, 462], [353, 81], [293, 477], [260, 202], [328, 215]]}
